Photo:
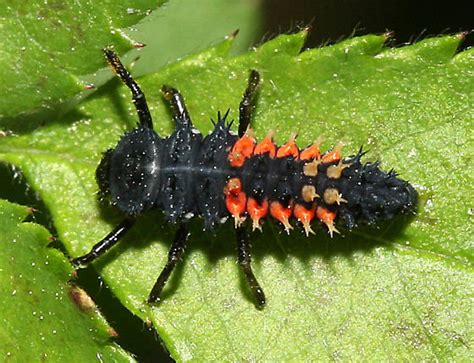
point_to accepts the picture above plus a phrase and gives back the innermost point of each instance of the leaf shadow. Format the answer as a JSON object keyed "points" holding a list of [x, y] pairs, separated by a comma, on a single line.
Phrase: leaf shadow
{"points": [[26, 123], [274, 242], [67, 113]]}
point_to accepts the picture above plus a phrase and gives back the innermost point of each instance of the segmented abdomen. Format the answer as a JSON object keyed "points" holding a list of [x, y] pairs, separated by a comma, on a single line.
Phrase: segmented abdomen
{"points": [[284, 182], [222, 175]]}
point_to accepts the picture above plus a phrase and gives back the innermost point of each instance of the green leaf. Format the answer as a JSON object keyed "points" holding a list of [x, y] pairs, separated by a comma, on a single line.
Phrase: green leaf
{"points": [[399, 291], [183, 27], [50, 52], [47, 46], [43, 317]]}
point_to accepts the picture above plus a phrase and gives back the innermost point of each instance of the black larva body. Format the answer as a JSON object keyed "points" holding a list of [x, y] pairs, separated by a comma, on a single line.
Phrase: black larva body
{"points": [[187, 175]]}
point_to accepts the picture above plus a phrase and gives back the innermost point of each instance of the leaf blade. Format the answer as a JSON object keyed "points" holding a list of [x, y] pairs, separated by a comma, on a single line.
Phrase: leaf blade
{"points": [[45, 49], [365, 295], [34, 287]]}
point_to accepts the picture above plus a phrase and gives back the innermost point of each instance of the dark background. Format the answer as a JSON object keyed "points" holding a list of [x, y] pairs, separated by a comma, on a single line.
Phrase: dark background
{"points": [[333, 20]]}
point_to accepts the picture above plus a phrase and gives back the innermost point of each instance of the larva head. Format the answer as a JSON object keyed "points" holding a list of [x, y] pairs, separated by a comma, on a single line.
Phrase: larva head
{"points": [[129, 174]]}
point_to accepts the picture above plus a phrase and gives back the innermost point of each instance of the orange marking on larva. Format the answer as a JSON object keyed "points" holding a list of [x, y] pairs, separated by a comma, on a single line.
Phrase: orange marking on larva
{"points": [[235, 200], [327, 217], [333, 155], [233, 186], [312, 151], [289, 149], [236, 159], [305, 216], [236, 207], [266, 146], [242, 149], [282, 214], [256, 211]]}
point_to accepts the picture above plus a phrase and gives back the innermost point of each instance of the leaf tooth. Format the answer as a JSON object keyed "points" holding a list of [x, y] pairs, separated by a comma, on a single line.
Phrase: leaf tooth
{"points": [[432, 50], [290, 44], [368, 45], [123, 37]]}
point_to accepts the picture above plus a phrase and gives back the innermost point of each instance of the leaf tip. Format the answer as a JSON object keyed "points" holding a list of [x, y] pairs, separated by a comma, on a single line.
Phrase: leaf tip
{"points": [[307, 29], [388, 35], [462, 35], [138, 45]]}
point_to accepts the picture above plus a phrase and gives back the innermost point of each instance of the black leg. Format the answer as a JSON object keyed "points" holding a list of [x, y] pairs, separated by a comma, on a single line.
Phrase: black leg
{"points": [[105, 244], [180, 113], [174, 255], [243, 247], [245, 107], [138, 97]]}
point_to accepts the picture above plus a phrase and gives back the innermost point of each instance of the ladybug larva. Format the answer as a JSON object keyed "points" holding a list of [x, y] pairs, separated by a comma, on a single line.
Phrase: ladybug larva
{"points": [[232, 176]]}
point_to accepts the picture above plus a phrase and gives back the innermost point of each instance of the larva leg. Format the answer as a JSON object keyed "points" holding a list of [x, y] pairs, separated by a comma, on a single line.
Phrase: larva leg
{"points": [[243, 248], [174, 255], [245, 107]]}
